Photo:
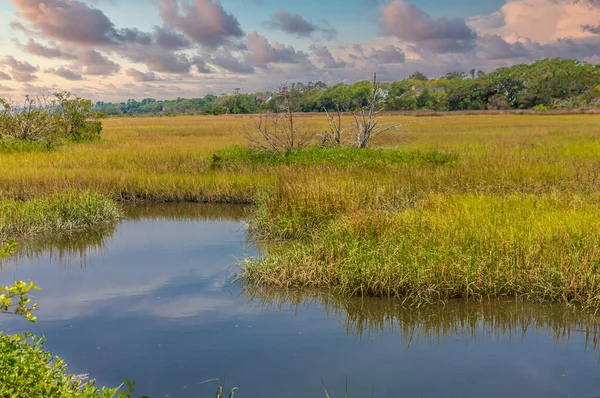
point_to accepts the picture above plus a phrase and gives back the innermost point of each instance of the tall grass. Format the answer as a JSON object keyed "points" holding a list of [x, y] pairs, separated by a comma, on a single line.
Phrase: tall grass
{"points": [[55, 213], [535, 247]]}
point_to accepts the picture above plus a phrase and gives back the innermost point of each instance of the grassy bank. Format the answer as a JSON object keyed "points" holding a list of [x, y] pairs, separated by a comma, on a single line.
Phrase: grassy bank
{"points": [[55, 213], [535, 247]]}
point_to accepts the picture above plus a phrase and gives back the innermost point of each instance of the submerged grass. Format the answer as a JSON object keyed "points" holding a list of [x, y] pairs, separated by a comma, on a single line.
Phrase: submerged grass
{"points": [[55, 213]]}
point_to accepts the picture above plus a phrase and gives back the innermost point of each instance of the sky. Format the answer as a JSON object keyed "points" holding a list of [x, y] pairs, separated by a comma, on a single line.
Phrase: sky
{"points": [[113, 50]]}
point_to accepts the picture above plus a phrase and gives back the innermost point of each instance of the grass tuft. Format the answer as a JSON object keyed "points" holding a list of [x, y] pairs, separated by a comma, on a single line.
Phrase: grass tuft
{"points": [[55, 213]]}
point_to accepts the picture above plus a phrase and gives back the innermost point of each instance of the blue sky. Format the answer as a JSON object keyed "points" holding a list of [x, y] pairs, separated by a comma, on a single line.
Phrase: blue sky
{"points": [[117, 49]]}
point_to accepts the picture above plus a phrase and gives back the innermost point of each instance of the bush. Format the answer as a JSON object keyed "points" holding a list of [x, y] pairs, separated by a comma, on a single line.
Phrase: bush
{"points": [[27, 370], [540, 108], [13, 145], [47, 121]]}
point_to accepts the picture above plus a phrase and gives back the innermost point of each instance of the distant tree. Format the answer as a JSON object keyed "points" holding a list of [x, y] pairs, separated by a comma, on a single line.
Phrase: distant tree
{"points": [[498, 102], [320, 85], [418, 76], [455, 75]]}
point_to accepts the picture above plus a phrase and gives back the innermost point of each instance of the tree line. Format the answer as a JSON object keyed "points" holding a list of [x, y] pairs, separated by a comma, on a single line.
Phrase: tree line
{"points": [[543, 85]]}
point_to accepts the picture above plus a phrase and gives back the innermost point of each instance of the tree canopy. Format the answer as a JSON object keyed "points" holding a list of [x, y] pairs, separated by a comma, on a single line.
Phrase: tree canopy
{"points": [[545, 84]]}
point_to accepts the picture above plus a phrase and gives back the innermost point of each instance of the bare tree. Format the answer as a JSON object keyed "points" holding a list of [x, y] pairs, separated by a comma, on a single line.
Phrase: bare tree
{"points": [[32, 121], [280, 132], [335, 134], [366, 123]]}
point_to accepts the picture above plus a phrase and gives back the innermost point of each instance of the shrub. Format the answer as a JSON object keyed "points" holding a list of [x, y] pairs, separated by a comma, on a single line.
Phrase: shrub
{"points": [[27, 370], [47, 121]]}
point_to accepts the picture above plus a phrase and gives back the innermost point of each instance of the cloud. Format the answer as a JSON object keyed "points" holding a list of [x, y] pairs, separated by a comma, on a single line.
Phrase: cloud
{"points": [[595, 29], [5, 76], [295, 24], [388, 55], [67, 20], [227, 61], [325, 57], [5, 89], [65, 73], [203, 21], [170, 40], [261, 52], [94, 63], [409, 24], [156, 59], [21, 71], [139, 76], [201, 65], [34, 48], [494, 47], [542, 21]]}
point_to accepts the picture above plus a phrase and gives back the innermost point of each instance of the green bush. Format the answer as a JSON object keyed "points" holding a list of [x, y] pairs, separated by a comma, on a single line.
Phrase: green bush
{"points": [[28, 370], [12, 145]]}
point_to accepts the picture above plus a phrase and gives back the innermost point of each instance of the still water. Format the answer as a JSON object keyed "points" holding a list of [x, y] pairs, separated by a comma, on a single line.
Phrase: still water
{"points": [[154, 299]]}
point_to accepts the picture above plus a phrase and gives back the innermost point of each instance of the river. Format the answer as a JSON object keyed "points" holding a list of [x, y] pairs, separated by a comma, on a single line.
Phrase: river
{"points": [[154, 299]]}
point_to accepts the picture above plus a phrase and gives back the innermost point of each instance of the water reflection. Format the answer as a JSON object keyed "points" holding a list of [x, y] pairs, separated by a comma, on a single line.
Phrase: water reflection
{"points": [[67, 248], [70, 248], [186, 211], [366, 318]]}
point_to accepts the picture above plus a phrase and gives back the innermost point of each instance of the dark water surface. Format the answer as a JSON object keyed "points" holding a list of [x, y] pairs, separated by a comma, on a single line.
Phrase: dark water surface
{"points": [[153, 299]]}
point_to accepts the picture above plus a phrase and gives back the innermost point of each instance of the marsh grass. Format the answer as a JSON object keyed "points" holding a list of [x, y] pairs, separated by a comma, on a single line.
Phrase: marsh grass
{"points": [[335, 156], [55, 213], [8, 145], [513, 213], [535, 247]]}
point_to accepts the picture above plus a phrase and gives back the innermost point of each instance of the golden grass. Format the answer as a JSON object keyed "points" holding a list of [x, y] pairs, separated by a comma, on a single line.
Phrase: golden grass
{"points": [[166, 158]]}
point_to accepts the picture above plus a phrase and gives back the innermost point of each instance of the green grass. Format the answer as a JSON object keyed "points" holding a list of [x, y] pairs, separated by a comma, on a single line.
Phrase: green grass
{"points": [[535, 247], [335, 156], [8, 145], [55, 213]]}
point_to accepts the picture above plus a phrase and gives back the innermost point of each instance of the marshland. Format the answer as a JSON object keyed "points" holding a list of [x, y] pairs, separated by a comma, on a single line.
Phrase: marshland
{"points": [[174, 250], [352, 251]]}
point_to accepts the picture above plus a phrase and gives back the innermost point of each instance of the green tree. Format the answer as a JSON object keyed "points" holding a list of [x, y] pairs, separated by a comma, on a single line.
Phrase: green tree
{"points": [[418, 76]]}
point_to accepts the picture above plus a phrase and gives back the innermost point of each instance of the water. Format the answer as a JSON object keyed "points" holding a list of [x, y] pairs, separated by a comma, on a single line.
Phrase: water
{"points": [[154, 299]]}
